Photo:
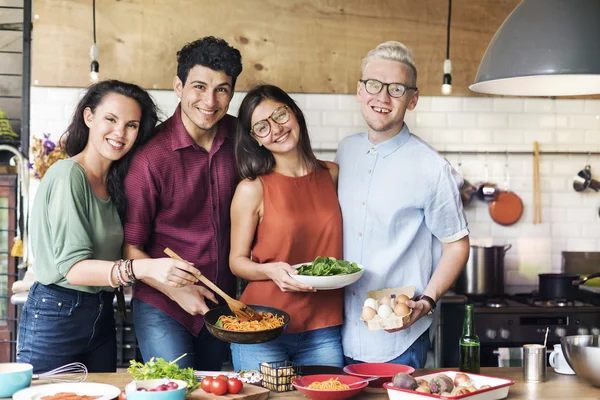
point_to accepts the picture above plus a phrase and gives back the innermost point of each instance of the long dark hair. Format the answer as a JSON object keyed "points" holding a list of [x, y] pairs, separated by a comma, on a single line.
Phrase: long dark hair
{"points": [[254, 160], [76, 137]]}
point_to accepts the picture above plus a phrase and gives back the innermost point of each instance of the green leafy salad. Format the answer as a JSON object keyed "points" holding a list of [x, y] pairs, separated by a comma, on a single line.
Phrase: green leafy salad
{"points": [[158, 368], [328, 266]]}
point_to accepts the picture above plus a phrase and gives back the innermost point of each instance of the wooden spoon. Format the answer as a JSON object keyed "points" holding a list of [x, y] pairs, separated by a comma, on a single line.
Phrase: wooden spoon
{"points": [[239, 309]]}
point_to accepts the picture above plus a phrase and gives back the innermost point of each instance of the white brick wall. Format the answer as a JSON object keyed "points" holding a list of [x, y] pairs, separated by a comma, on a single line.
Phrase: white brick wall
{"points": [[570, 219]]}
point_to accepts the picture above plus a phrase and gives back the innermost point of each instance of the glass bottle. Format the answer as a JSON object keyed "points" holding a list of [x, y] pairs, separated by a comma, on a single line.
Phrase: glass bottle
{"points": [[469, 346]]}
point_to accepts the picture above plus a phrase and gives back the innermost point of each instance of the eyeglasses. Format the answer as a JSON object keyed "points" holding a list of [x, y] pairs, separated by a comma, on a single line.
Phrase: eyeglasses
{"points": [[397, 90], [280, 116]]}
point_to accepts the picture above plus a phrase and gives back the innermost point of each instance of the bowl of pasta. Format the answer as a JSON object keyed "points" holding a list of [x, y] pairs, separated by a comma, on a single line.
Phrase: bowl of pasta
{"points": [[222, 323], [329, 386]]}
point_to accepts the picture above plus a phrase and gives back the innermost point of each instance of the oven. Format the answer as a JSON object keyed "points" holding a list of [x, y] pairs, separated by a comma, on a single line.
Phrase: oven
{"points": [[505, 324]]}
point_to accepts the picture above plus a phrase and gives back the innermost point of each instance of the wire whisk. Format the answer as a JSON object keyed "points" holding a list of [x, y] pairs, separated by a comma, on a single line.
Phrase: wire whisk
{"points": [[73, 372]]}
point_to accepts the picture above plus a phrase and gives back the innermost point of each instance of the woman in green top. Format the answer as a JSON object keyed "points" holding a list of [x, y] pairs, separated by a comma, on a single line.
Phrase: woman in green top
{"points": [[76, 235]]}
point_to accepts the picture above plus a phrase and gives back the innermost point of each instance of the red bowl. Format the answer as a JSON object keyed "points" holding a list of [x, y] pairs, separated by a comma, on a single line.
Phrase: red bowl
{"points": [[384, 371], [301, 385]]}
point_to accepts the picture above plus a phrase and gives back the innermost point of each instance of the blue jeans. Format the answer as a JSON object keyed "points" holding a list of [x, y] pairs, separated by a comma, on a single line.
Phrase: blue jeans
{"points": [[318, 347], [159, 335], [60, 325], [415, 356]]}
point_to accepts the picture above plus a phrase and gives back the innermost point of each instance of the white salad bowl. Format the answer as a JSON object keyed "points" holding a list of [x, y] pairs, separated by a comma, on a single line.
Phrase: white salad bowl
{"points": [[328, 282]]}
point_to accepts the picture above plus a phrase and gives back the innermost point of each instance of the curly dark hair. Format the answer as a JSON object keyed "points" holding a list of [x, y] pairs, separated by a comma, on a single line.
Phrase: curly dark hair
{"points": [[76, 137], [254, 160], [210, 52]]}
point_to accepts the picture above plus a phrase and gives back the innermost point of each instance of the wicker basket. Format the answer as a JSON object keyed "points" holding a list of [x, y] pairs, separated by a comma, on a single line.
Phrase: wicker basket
{"points": [[278, 375]]}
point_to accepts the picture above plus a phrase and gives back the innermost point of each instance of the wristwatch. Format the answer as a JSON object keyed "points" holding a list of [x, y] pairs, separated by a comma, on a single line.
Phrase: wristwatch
{"points": [[428, 299]]}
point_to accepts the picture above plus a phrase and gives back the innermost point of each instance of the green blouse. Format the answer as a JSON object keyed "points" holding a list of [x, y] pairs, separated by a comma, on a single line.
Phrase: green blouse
{"points": [[69, 223]]}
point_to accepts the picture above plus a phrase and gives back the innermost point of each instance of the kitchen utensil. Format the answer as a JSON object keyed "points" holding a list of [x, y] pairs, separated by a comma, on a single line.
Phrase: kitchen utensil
{"points": [[385, 371], [583, 180], [558, 361], [239, 309], [508, 207], [253, 337], [561, 286], [14, 377], [582, 352], [467, 190], [302, 383], [364, 380], [72, 372], [486, 191], [484, 271], [537, 201], [534, 363]]}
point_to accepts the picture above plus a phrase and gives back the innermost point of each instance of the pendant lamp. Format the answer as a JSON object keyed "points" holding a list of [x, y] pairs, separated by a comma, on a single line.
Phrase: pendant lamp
{"points": [[544, 48]]}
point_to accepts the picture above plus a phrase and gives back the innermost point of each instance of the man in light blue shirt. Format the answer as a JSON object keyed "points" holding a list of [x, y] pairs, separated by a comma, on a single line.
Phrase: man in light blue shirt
{"points": [[403, 217]]}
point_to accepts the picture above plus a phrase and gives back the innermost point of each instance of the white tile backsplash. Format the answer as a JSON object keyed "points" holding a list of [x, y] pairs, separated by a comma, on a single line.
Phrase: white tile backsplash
{"points": [[570, 219]]}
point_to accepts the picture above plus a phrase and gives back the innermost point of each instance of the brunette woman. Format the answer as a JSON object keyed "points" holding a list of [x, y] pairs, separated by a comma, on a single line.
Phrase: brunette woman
{"points": [[284, 212], [77, 235]]}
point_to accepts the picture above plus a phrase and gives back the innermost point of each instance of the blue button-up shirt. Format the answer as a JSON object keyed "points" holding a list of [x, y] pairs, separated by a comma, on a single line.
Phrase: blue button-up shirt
{"points": [[399, 201]]}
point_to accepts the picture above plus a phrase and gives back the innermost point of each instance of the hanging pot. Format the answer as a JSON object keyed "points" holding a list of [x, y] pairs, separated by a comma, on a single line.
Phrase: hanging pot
{"points": [[507, 208], [561, 286]]}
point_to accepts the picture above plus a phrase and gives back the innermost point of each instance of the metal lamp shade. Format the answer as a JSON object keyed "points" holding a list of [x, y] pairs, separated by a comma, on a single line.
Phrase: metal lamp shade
{"points": [[544, 48]]}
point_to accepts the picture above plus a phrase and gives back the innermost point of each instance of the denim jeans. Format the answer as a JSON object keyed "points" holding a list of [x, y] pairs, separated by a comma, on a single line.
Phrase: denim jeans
{"points": [[159, 335], [60, 325], [415, 356], [318, 347]]}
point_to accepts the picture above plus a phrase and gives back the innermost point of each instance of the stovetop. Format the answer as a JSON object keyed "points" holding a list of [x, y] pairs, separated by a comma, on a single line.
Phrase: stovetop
{"points": [[524, 318]]}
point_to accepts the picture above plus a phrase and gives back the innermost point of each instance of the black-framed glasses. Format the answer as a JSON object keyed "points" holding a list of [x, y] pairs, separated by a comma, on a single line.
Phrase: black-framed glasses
{"points": [[280, 116], [397, 90]]}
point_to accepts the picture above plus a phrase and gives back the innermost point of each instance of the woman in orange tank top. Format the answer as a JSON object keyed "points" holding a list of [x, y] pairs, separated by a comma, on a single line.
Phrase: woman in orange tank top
{"points": [[284, 212]]}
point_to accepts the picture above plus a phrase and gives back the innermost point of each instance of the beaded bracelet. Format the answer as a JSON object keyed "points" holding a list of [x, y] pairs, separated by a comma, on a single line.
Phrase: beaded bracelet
{"points": [[123, 266], [119, 277], [129, 271]]}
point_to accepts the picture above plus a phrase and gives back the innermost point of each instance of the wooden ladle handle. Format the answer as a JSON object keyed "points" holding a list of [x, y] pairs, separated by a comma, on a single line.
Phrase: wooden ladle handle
{"points": [[203, 279]]}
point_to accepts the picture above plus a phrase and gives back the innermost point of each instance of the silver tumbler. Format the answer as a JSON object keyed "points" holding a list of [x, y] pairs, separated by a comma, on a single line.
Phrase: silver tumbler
{"points": [[534, 363]]}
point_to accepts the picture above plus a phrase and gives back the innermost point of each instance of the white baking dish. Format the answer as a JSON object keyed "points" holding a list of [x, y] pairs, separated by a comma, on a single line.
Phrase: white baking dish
{"points": [[498, 390]]}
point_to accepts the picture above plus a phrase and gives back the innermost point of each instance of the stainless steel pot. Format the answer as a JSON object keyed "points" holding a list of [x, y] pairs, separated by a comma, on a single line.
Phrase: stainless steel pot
{"points": [[484, 272]]}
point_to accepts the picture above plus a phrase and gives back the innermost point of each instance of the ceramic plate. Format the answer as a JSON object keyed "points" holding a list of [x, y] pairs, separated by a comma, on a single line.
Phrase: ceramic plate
{"points": [[108, 392], [328, 282]]}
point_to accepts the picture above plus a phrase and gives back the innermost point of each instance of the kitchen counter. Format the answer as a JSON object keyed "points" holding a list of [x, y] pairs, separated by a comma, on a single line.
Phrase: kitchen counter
{"points": [[556, 387]]}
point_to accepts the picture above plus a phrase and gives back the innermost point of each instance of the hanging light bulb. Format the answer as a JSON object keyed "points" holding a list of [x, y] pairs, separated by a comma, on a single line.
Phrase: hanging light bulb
{"points": [[447, 81], [95, 66], [447, 85]]}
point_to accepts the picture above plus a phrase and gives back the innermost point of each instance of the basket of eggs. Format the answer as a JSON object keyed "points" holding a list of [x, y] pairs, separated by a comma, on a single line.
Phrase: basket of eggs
{"points": [[387, 309]]}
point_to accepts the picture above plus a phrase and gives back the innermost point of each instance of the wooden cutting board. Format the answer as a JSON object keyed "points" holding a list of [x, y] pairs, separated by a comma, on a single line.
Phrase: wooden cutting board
{"points": [[249, 392]]}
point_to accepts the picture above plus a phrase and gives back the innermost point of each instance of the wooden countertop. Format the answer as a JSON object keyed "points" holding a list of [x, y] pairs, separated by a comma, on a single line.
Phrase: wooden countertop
{"points": [[556, 386]]}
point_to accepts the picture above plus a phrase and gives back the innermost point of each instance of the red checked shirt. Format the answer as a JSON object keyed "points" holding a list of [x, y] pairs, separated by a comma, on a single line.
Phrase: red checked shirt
{"points": [[179, 197]]}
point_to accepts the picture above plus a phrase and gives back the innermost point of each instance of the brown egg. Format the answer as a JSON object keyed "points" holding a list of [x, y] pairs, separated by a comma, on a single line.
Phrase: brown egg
{"points": [[423, 389], [471, 389], [401, 309], [460, 392], [401, 298], [368, 313], [385, 300]]}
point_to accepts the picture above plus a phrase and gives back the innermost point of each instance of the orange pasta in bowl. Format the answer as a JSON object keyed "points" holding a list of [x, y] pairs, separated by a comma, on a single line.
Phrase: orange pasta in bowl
{"points": [[329, 384]]}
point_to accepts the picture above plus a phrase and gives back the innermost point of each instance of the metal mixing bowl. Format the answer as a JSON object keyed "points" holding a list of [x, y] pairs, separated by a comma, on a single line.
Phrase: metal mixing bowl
{"points": [[582, 352]]}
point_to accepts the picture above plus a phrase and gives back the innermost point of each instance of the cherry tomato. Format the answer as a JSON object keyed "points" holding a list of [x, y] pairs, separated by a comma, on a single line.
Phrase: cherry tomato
{"points": [[223, 377], [234, 385], [218, 387], [123, 395], [205, 384]]}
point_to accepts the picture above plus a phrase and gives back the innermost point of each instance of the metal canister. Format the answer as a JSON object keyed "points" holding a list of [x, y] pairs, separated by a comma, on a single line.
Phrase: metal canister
{"points": [[534, 363]]}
